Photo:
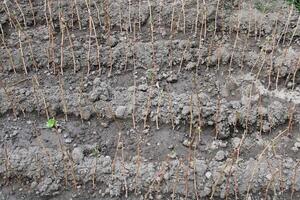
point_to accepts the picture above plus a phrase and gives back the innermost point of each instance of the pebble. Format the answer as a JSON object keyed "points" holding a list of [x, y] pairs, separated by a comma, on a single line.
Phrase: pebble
{"points": [[235, 142], [208, 175], [68, 140], [14, 133], [77, 154], [120, 111], [185, 110], [220, 155]]}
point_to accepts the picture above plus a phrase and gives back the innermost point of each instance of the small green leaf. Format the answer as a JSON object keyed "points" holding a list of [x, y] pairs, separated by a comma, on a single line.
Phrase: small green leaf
{"points": [[51, 123]]}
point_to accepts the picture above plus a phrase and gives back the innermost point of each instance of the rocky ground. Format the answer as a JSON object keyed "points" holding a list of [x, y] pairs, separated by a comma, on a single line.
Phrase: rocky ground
{"points": [[173, 99]]}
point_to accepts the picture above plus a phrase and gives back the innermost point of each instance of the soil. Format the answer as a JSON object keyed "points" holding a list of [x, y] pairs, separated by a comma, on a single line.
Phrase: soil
{"points": [[174, 99]]}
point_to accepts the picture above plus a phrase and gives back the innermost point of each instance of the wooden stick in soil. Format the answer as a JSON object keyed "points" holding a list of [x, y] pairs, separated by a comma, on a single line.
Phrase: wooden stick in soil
{"points": [[68, 159], [10, 99], [204, 21], [294, 179], [183, 15], [10, 58], [94, 179], [62, 49], [216, 19], [287, 23], [49, 34], [278, 68], [138, 166], [90, 39], [123, 171], [235, 42], [37, 85], [75, 67], [32, 12], [272, 52], [174, 188], [182, 57], [238, 150], [148, 106], [291, 113], [107, 23], [217, 117], [172, 18], [32, 54], [129, 16], [191, 115], [260, 113], [49, 4], [113, 164], [172, 35], [160, 10], [170, 110], [158, 109], [21, 11], [197, 18], [134, 81], [195, 183], [8, 165], [297, 67], [80, 97], [78, 15], [294, 32], [140, 16], [63, 96], [97, 45], [21, 52], [98, 13], [6, 9]]}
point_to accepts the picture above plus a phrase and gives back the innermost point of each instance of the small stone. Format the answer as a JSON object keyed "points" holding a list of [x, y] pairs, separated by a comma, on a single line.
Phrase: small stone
{"points": [[185, 110], [269, 176], [220, 155], [14, 133], [77, 154], [186, 143], [120, 111], [208, 175], [297, 145], [210, 123], [236, 142], [146, 131], [143, 87], [68, 140], [172, 78], [295, 149], [290, 85], [33, 184], [104, 124], [172, 154], [191, 65]]}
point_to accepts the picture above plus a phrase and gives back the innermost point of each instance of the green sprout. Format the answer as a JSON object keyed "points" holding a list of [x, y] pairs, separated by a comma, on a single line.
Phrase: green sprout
{"points": [[296, 3], [149, 74], [95, 152], [51, 123]]}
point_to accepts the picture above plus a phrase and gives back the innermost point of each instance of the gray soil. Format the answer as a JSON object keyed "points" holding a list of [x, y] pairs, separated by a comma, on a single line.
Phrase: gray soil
{"points": [[166, 99]]}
